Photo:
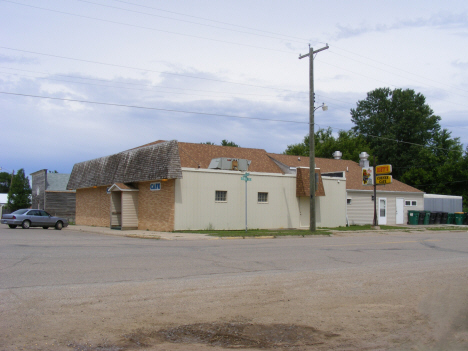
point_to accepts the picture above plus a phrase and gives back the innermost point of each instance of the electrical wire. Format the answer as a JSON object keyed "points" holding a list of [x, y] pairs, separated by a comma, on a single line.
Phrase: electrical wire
{"points": [[148, 28], [151, 108], [148, 70], [200, 24], [208, 114]]}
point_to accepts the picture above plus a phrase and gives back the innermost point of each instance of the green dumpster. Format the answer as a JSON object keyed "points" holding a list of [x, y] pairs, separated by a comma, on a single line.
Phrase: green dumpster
{"points": [[413, 217], [451, 218], [459, 217], [427, 216]]}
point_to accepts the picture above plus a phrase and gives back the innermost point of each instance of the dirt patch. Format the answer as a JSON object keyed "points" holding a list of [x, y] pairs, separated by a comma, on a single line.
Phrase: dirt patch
{"points": [[236, 335]]}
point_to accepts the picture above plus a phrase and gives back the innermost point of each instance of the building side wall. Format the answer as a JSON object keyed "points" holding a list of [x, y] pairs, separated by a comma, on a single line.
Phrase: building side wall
{"points": [[93, 206], [156, 207], [361, 209], [129, 210], [61, 204], [38, 189], [196, 208], [331, 208]]}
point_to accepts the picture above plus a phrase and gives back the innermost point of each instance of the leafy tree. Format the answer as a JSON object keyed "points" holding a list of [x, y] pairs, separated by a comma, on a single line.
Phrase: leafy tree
{"points": [[441, 168], [225, 142], [5, 180], [19, 195], [349, 143], [393, 122]]}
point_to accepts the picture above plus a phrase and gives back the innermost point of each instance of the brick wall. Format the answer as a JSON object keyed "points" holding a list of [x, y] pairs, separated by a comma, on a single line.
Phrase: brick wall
{"points": [[93, 207], [156, 208]]}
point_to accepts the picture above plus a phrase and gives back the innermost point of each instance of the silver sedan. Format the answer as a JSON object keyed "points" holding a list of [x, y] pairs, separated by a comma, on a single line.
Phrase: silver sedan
{"points": [[33, 218]]}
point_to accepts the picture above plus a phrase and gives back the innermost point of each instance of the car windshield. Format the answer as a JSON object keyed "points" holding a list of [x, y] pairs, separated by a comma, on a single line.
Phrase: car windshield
{"points": [[21, 211]]}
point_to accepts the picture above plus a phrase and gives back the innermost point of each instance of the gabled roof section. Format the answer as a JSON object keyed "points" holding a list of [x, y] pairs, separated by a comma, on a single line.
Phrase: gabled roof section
{"points": [[351, 169], [122, 187], [303, 183], [154, 161]]}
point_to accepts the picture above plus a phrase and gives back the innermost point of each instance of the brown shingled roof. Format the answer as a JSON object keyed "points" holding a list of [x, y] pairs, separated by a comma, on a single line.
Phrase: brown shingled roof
{"points": [[194, 155], [353, 172]]}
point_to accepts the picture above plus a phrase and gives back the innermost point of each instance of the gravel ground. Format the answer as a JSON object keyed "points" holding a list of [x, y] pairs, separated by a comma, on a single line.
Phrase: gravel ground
{"points": [[422, 307]]}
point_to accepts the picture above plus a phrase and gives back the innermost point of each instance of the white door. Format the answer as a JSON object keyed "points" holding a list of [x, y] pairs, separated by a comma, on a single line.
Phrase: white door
{"points": [[400, 211], [382, 215]]}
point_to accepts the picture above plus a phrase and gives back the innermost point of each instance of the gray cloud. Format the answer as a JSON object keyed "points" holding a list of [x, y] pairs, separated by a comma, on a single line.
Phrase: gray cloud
{"points": [[441, 20], [16, 59]]}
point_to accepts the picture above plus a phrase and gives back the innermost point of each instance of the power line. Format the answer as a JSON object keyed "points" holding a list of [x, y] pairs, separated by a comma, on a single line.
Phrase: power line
{"points": [[206, 114], [214, 21], [151, 108], [129, 83], [197, 23], [148, 70], [143, 27]]}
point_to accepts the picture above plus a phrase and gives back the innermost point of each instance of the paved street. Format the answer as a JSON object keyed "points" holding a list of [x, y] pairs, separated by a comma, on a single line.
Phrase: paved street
{"points": [[49, 275], [37, 257]]}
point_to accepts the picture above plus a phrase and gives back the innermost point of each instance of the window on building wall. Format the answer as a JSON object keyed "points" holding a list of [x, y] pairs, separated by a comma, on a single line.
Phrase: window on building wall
{"points": [[221, 196], [411, 203], [262, 198], [348, 201]]}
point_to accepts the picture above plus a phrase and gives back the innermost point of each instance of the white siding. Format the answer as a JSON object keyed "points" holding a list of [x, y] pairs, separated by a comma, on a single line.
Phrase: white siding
{"points": [[331, 208], [195, 206], [129, 209], [361, 209]]}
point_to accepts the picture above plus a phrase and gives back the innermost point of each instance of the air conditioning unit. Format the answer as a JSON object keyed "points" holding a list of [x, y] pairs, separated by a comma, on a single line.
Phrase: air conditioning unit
{"points": [[230, 164]]}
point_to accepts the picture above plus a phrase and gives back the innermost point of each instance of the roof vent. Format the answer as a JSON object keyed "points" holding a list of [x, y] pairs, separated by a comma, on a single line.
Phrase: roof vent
{"points": [[364, 162], [337, 155], [230, 164]]}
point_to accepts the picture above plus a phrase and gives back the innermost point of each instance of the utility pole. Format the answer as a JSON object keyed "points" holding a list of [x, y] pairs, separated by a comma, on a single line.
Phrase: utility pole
{"points": [[311, 53]]}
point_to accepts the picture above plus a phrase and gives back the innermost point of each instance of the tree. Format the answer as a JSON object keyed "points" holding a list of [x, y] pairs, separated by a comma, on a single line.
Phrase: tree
{"points": [[441, 168], [395, 124], [225, 142], [19, 195], [348, 142], [5, 181]]}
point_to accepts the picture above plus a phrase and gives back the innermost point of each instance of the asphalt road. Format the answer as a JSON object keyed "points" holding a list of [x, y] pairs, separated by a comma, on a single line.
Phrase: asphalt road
{"points": [[38, 257]]}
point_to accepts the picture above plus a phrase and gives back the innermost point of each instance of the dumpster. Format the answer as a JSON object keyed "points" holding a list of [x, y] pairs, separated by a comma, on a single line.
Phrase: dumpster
{"points": [[444, 218], [459, 217], [413, 217], [465, 221], [438, 217], [422, 215], [451, 218], [427, 217], [432, 218]]}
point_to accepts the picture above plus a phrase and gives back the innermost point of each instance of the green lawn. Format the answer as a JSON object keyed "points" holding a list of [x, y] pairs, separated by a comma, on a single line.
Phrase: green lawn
{"points": [[366, 227]]}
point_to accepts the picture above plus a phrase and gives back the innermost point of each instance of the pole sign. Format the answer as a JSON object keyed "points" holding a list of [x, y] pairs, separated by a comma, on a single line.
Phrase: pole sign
{"points": [[383, 179], [383, 169], [368, 176]]}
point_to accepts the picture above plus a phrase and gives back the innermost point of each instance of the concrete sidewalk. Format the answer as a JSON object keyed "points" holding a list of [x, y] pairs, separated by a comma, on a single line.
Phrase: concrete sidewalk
{"points": [[146, 234], [143, 234]]}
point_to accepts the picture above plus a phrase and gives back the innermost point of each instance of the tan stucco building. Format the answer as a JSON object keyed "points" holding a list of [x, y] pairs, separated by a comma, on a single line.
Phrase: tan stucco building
{"points": [[169, 185]]}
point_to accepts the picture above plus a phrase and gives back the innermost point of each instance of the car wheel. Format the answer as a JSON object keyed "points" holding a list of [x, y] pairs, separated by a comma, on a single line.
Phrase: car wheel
{"points": [[45, 227], [12, 226], [26, 224], [59, 225]]}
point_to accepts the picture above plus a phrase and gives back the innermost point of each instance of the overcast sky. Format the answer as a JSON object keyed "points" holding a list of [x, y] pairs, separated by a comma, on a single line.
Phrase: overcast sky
{"points": [[222, 58]]}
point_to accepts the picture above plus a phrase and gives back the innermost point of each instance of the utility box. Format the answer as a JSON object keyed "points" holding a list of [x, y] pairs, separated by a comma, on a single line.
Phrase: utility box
{"points": [[230, 164]]}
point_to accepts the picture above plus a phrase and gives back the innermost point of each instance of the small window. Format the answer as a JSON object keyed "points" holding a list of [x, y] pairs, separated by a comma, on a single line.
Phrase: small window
{"points": [[221, 196], [348, 201], [263, 198], [411, 203]]}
